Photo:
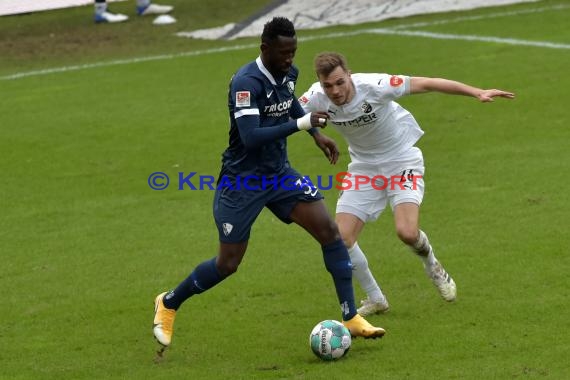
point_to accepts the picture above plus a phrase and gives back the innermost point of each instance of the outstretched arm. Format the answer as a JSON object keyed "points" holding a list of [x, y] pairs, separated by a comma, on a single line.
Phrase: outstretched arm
{"points": [[420, 85]]}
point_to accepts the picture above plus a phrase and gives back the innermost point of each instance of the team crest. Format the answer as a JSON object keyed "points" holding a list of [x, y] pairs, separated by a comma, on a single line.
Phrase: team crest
{"points": [[366, 107], [291, 86], [227, 227]]}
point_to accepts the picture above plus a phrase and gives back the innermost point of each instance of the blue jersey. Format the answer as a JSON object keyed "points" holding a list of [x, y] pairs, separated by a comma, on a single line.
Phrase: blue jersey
{"points": [[261, 109]]}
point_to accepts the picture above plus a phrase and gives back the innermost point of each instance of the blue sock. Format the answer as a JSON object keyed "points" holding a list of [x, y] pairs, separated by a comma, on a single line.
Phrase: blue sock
{"points": [[204, 277], [337, 262]]}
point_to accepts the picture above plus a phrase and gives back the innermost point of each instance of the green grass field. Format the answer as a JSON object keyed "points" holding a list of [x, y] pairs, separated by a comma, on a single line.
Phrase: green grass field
{"points": [[86, 244]]}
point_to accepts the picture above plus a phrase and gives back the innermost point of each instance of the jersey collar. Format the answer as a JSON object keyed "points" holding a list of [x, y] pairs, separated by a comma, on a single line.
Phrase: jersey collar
{"points": [[267, 73]]}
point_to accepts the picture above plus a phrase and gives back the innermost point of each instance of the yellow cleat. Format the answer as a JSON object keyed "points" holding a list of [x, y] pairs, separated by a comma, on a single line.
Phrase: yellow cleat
{"points": [[163, 321], [359, 326]]}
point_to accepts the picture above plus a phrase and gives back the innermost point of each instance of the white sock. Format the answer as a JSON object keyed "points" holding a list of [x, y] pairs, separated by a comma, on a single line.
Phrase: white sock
{"points": [[100, 8], [143, 3], [423, 249], [362, 273]]}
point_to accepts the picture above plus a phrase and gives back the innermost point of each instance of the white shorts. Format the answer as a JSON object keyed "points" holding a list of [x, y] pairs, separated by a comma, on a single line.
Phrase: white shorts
{"points": [[368, 187]]}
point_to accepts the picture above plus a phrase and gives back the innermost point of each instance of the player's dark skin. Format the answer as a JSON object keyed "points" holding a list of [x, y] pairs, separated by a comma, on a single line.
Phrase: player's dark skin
{"points": [[314, 217]]}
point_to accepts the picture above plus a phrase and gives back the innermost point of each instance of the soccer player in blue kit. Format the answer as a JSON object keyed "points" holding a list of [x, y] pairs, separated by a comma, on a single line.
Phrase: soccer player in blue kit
{"points": [[256, 173]]}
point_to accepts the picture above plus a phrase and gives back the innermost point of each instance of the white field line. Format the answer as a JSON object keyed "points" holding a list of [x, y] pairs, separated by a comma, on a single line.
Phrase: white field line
{"points": [[388, 31], [463, 37], [126, 61], [483, 17]]}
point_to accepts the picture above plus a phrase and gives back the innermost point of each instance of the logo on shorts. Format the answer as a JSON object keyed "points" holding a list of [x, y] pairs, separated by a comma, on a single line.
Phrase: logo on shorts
{"points": [[227, 228]]}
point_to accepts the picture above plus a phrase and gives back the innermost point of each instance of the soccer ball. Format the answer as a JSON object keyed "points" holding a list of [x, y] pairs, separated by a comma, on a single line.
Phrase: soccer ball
{"points": [[330, 340]]}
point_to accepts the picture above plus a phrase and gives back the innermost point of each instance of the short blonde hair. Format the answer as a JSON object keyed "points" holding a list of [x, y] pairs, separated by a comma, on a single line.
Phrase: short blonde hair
{"points": [[326, 62]]}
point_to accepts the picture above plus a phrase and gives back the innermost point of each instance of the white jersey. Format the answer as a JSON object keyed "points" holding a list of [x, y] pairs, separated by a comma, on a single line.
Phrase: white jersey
{"points": [[376, 128]]}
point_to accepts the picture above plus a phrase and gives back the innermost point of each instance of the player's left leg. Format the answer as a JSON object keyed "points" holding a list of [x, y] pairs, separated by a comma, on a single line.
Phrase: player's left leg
{"points": [[314, 217], [406, 193], [406, 217]]}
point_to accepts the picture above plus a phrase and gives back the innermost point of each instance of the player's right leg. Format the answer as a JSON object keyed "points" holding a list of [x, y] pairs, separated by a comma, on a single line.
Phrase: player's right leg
{"points": [[234, 212], [354, 208], [375, 302], [205, 276]]}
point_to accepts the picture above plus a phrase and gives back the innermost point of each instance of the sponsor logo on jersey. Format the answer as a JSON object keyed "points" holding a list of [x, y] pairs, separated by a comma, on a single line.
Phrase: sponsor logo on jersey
{"points": [[243, 99], [396, 81], [278, 109], [291, 86], [366, 107], [360, 121]]}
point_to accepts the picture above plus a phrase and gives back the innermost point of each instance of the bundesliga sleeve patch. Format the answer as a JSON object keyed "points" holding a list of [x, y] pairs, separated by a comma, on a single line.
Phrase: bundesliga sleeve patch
{"points": [[396, 81], [303, 100], [243, 99]]}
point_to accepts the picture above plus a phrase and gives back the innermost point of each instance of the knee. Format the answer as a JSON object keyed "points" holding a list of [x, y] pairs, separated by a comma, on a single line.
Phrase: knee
{"points": [[227, 266], [329, 232], [229, 257], [407, 234], [348, 240]]}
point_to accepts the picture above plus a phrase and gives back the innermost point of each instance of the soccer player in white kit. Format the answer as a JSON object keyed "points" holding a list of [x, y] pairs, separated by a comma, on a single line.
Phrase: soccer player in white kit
{"points": [[386, 166]]}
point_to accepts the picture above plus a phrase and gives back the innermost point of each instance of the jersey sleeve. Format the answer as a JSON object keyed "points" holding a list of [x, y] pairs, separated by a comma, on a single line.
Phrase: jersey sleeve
{"points": [[243, 99], [309, 100], [297, 110], [243, 95], [390, 87]]}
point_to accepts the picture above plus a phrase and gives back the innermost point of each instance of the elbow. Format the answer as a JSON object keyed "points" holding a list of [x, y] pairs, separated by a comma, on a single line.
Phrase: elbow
{"points": [[249, 143]]}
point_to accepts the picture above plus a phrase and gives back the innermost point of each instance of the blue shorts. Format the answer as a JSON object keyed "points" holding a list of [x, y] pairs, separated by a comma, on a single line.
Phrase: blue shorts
{"points": [[239, 200]]}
